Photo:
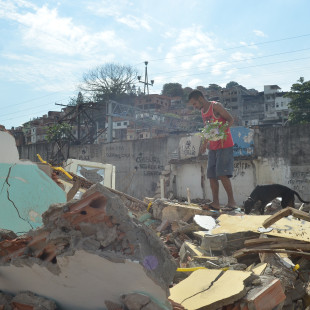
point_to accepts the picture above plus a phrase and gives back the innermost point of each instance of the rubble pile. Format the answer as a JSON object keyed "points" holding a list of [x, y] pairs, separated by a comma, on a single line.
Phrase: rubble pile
{"points": [[88, 253], [228, 260], [108, 250]]}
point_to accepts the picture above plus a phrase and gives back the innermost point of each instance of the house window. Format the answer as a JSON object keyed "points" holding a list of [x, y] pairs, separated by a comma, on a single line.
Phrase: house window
{"points": [[119, 124]]}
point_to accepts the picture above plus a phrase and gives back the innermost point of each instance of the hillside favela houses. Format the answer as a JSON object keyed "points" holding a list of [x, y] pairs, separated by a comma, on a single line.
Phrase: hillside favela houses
{"points": [[158, 115]]}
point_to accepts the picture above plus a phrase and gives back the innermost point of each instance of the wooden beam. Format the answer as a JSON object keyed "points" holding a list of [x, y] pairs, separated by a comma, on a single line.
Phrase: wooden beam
{"points": [[244, 252], [264, 241], [286, 212]]}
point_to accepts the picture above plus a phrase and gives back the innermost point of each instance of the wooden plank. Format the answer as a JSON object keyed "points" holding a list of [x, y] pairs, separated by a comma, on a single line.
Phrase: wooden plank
{"points": [[284, 213], [292, 244], [287, 246], [244, 252], [258, 241]]}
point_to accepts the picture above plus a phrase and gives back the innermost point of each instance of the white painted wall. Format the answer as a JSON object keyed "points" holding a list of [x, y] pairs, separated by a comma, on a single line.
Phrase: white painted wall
{"points": [[281, 103], [189, 176], [247, 174]]}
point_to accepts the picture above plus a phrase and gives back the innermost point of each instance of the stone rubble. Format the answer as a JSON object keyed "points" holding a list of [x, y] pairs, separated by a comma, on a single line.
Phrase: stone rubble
{"points": [[170, 242]]}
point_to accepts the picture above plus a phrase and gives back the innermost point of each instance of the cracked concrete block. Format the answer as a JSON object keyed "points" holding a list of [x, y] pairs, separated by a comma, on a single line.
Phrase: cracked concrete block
{"points": [[93, 248], [26, 191]]}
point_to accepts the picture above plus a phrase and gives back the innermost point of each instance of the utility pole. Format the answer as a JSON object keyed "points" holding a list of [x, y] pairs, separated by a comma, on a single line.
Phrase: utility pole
{"points": [[110, 122], [146, 79]]}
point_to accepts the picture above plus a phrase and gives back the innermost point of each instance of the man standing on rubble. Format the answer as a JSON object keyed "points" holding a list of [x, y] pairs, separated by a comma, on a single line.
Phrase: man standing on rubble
{"points": [[220, 156]]}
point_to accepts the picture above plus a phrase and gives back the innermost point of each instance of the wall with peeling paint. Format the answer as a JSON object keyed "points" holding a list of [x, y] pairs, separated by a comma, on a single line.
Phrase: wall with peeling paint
{"points": [[26, 191], [262, 156]]}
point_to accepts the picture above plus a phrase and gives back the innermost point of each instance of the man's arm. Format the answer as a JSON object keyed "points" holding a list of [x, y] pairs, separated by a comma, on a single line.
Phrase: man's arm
{"points": [[220, 110]]}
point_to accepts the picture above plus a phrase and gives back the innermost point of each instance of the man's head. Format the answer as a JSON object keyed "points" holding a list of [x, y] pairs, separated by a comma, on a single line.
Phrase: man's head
{"points": [[248, 205], [196, 99]]}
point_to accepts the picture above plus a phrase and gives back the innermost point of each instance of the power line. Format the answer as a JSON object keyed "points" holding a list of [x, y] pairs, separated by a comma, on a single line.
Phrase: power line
{"points": [[235, 47], [33, 107], [252, 66], [34, 99], [241, 60]]}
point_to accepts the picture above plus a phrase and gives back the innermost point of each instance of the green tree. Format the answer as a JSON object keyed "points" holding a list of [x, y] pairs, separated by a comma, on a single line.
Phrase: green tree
{"points": [[214, 87], [231, 84], [109, 80], [73, 101], [172, 90], [300, 104], [59, 132]]}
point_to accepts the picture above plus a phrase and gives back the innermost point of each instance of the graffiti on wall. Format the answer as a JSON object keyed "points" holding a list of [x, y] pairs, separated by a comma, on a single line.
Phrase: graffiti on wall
{"points": [[189, 146], [188, 149], [299, 181], [240, 168], [243, 141], [149, 164], [84, 154], [117, 151]]}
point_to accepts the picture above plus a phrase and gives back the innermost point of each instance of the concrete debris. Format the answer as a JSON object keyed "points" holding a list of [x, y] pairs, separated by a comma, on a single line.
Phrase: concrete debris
{"points": [[26, 191], [103, 249], [233, 242], [80, 246]]}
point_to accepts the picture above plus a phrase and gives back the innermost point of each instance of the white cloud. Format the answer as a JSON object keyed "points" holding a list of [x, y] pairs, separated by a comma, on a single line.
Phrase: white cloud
{"points": [[195, 45], [134, 22], [46, 74], [239, 56], [194, 83], [219, 67], [249, 45], [259, 33], [119, 11], [43, 29]]}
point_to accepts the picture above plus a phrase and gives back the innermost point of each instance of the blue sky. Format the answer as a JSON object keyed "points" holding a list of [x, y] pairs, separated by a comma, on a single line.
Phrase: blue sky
{"points": [[47, 46]]}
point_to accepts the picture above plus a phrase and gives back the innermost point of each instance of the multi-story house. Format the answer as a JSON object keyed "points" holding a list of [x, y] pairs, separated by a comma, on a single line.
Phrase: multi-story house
{"points": [[153, 102], [276, 106]]}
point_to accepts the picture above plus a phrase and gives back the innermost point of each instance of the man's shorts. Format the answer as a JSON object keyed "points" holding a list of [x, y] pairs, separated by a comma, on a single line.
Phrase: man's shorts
{"points": [[220, 163]]}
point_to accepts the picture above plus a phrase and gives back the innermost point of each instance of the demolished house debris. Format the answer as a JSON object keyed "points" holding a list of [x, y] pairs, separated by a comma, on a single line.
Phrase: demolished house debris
{"points": [[108, 250], [26, 191]]}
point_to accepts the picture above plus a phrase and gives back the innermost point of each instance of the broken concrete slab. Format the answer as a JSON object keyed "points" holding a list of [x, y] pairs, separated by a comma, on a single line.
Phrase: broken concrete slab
{"points": [[210, 289], [82, 245], [26, 191], [164, 209], [82, 274], [286, 227]]}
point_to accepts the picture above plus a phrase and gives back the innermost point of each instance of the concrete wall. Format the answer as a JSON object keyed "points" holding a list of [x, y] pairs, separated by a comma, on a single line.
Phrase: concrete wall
{"points": [[262, 156], [139, 163]]}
